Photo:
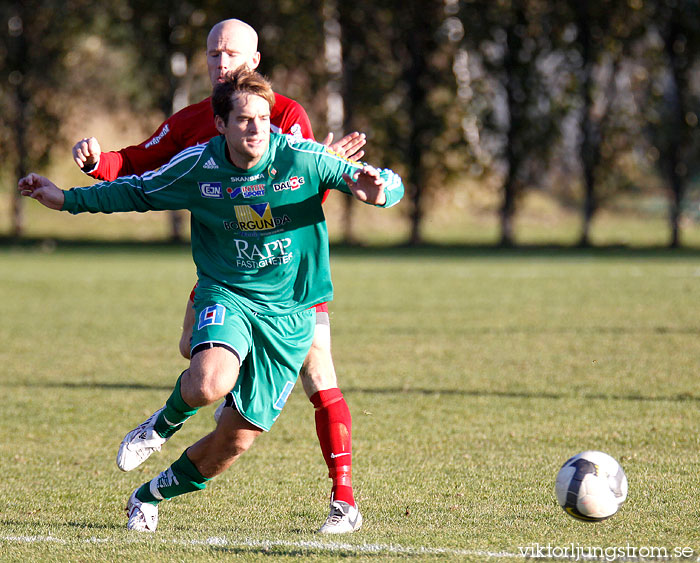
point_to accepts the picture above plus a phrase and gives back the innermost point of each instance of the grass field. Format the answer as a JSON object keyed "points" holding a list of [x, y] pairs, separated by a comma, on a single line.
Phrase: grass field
{"points": [[472, 374]]}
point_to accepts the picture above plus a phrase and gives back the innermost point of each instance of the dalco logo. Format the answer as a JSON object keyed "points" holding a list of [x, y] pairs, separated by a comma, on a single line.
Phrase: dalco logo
{"points": [[211, 190], [294, 183]]}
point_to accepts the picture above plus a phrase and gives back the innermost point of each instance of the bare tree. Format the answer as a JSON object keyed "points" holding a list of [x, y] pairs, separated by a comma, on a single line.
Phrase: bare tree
{"points": [[38, 37]]}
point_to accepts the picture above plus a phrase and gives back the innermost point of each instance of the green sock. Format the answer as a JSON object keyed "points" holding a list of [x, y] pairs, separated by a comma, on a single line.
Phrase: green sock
{"points": [[180, 478], [176, 412]]}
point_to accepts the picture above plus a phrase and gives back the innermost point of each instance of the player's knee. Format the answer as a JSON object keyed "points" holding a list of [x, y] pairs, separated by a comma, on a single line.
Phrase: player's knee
{"points": [[317, 375], [213, 386], [209, 381], [317, 372]]}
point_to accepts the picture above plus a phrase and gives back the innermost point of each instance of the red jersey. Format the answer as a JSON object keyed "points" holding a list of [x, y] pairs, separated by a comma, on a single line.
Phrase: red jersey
{"points": [[191, 126]]}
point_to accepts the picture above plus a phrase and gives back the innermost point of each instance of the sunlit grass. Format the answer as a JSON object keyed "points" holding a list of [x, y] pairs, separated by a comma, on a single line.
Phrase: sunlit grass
{"points": [[471, 376]]}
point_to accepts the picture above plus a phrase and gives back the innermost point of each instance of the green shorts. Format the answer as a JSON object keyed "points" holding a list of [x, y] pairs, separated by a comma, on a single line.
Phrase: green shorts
{"points": [[270, 349]]}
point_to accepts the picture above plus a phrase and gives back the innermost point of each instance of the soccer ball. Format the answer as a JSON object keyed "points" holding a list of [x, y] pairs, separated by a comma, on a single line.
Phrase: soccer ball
{"points": [[591, 486]]}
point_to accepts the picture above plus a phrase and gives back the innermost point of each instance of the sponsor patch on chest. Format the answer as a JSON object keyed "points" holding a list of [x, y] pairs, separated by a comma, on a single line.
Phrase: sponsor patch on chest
{"points": [[256, 217], [211, 190], [256, 190], [294, 183]]}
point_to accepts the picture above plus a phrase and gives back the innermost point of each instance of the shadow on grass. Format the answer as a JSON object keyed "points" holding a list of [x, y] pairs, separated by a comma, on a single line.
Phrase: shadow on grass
{"points": [[219, 546], [90, 526], [338, 552], [398, 391], [89, 385], [32, 529], [679, 397], [577, 331], [396, 251]]}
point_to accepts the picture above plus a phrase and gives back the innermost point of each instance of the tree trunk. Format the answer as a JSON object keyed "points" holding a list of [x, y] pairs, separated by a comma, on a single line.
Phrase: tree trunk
{"points": [[181, 99], [182, 82], [513, 100], [417, 99], [507, 212], [337, 96], [21, 171], [673, 159], [17, 58], [22, 168], [589, 133]]}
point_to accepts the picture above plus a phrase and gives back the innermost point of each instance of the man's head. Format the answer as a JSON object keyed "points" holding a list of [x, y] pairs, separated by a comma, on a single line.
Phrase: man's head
{"points": [[231, 44], [242, 103]]}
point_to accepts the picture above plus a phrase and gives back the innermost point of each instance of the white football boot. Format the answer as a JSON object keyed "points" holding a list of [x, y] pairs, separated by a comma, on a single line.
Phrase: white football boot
{"points": [[143, 517], [343, 519], [139, 444]]}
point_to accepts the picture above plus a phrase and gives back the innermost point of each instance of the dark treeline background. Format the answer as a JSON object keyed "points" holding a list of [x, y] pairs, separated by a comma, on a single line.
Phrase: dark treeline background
{"points": [[584, 99]]}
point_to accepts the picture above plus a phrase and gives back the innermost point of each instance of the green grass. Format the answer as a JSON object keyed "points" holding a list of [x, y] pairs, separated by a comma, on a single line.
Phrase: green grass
{"points": [[471, 375]]}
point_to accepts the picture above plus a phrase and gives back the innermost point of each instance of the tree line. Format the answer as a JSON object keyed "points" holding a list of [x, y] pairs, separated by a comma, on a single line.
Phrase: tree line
{"points": [[583, 99]]}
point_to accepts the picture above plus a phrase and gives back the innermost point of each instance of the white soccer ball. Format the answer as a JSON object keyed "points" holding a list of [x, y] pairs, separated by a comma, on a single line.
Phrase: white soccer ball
{"points": [[591, 486]]}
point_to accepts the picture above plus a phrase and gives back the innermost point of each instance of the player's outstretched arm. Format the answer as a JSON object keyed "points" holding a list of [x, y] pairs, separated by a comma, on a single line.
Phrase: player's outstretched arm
{"points": [[43, 190], [367, 185], [86, 153], [349, 146]]}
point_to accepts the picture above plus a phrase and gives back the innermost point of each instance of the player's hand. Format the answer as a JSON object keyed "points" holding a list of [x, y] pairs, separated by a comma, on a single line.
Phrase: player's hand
{"points": [[41, 189], [86, 152], [367, 185], [349, 146]]}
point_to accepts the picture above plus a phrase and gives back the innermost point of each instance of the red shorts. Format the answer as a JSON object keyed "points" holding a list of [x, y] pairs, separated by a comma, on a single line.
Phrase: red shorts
{"points": [[320, 308]]}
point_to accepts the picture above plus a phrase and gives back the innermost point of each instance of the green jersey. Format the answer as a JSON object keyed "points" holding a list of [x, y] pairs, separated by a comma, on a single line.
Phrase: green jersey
{"points": [[260, 232]]}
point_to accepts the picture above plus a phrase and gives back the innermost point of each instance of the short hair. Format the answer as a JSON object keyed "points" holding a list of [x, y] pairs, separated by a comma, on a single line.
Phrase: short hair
{"points": [[244, 81]]}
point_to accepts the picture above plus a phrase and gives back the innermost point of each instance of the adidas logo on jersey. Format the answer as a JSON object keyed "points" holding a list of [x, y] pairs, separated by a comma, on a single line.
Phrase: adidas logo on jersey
{"points": [[210, 164]]}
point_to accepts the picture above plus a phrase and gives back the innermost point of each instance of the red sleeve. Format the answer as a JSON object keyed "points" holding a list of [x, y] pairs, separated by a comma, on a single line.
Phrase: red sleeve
{"points": [[186, 128], [192, 125], [155, 151], [291, 118]]}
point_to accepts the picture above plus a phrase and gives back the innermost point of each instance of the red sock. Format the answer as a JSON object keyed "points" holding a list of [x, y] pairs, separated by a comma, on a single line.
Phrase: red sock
{"points": [[334, 430]]}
